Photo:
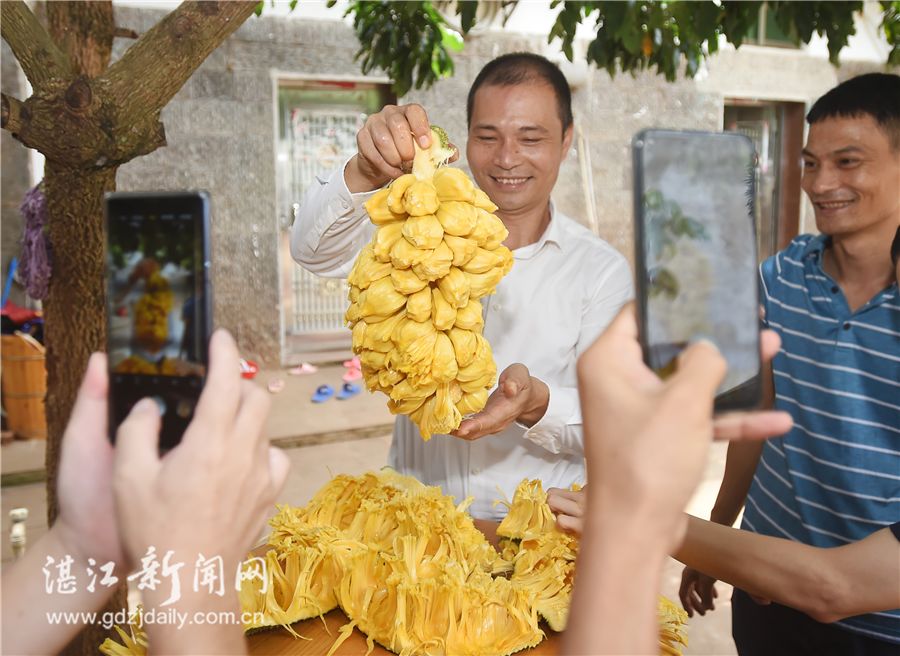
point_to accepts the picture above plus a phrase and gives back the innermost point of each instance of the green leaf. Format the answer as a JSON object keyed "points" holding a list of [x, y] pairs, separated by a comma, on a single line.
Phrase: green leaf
{"points": [[466, 9], [451, 39]]}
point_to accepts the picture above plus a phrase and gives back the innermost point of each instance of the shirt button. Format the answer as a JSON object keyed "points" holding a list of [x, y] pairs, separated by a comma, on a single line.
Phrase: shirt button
{"points": [[847, 326], [834, 289]]}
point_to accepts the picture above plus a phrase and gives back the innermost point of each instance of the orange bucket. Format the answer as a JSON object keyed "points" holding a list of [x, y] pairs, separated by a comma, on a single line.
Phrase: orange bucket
{"points": [[24, 385]]}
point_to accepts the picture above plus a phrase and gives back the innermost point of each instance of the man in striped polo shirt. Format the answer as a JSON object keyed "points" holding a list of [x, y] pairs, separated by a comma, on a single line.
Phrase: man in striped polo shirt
{"points": [[833, 298]]}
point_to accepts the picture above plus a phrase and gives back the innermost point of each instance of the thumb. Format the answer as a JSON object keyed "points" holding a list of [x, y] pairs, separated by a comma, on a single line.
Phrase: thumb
{"points": [[701, 368], [137, 440], [514, 379], [89, 416]]}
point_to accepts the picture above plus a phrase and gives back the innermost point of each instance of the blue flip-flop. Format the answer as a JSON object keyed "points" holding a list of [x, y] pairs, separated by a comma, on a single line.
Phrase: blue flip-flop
{"points": [[323, 393], [348, 390]]}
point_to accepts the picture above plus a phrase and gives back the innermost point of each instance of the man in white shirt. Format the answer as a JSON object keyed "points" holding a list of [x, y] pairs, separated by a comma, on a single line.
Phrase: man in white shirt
{"points": [[565, 286]]}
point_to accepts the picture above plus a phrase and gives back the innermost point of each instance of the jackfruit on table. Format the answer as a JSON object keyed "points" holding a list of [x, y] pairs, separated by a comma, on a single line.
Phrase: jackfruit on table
{"points": [[410, 570]]}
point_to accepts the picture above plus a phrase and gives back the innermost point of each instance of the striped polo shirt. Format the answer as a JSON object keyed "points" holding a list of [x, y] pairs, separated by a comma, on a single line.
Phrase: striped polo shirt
{"points": [[835, 477]]}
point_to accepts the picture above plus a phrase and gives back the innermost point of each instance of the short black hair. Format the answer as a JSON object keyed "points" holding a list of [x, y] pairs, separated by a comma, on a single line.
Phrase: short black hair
{"points": [[875, 94], [519, 68], [895, 248]]}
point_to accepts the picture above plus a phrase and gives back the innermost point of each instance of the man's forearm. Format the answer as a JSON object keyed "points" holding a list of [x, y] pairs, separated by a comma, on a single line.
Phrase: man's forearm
{"points": [[614, 605], [740, 466], [37, 608], [787, 572]]}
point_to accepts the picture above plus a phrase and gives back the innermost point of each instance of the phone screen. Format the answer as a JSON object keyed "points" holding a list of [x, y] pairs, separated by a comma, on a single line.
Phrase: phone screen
{"points": [[696, 249], [157, 301]]}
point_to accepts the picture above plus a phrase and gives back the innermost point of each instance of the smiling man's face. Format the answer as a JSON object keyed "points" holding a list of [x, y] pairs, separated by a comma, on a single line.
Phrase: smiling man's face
{"points": [[516, 144], [851, 175]]}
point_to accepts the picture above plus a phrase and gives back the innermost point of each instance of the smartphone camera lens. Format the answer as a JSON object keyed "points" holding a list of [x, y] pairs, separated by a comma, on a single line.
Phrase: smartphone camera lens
{"points": [[184, 408]]}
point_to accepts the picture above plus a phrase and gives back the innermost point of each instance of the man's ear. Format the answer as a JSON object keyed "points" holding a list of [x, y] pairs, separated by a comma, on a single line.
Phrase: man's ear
{"points": [[568, 134]]}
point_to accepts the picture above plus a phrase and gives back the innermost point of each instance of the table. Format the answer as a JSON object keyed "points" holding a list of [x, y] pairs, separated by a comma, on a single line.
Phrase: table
{"points": [[278, 641]]}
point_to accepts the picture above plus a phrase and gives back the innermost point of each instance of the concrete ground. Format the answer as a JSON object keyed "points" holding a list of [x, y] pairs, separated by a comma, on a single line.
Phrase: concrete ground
{"points": [[351, 437]]}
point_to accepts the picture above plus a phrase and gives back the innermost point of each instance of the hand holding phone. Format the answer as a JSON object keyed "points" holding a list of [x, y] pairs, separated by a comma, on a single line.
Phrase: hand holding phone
{"points": [[695, 253], [159, 316]]}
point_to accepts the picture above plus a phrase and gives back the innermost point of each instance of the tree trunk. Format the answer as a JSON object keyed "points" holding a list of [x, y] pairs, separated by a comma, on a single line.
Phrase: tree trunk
{"points": [[74, 312], [88, 119]]}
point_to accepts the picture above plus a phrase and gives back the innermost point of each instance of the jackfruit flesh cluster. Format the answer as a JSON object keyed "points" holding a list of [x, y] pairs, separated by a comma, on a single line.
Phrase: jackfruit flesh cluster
{"points": [[410, 570], [544, 564], [414, 312]]}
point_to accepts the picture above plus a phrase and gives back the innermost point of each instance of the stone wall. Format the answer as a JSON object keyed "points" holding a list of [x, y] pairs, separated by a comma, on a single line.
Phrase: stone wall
{"points": [[221, 135]]}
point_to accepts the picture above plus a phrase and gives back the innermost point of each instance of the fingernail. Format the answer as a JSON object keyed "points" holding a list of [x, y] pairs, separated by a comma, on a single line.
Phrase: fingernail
{"points": [[424, 141], [147, 405]]}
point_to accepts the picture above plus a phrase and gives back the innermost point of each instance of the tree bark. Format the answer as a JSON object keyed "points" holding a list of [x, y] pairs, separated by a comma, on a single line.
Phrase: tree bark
{"points": [[75, 326], [85, 32], [87, 120]]}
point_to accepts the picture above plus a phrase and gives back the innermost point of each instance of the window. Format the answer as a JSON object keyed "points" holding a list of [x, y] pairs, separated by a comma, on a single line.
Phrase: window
{"points": [[767, 32]]}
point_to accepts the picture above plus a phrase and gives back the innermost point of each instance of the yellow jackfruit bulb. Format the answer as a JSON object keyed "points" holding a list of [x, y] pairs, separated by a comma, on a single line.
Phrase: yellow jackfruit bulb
{"points": [[406, 281], [421, 417], [482, 201], [423, 231], [415, 344], [396, 192], [446, 417], [381, 299], [367, 269], [462, 247], [388, 377], [453, 184], [482, 284], [488, 231], [443, 315], [469, 404], [372, 359], [353, 293], [469, 316], [359, 336], [438, 153], [464, 344], [418, 305], [529, 514], [420, 199], [434, 264], [378, 335], [455, 287], [384, 239], [506, 258], [457, 218], [351, 316], [378, 210], [404, 389], [404, 254], [405, 406], [443, 365], [482, 261]]}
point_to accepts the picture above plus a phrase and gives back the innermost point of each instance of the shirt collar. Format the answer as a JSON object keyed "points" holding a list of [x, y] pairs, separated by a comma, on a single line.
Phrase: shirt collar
{"points": [[815, 247], [553, 232]]}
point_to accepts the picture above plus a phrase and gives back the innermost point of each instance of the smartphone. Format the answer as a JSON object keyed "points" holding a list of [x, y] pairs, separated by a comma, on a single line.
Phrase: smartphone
{"points": [[695, 253], [158, 301]]}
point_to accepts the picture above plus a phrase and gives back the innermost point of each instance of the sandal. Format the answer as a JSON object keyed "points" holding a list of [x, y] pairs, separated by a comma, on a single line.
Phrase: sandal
{"points": [[322, 394], [303, 369], [351, 375], [352, 363], [348, 390]]}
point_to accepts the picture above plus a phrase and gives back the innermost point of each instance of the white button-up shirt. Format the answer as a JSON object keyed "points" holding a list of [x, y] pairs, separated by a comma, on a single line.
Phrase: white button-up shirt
{"points": [[561, 293]]}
